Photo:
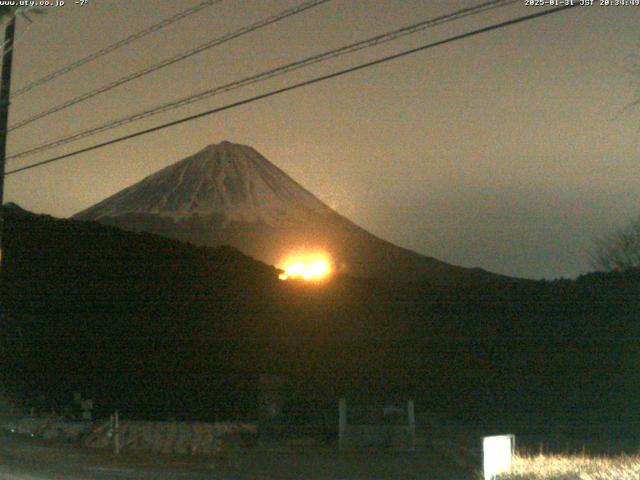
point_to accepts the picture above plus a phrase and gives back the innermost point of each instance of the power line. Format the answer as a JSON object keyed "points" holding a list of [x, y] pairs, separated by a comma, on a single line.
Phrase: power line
{"points": [[287, 68], [295, 86], [170, 61], [115, 46]]}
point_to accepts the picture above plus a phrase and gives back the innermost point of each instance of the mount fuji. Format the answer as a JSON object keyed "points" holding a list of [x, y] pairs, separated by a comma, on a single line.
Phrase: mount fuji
{"points": [[230, 194]]}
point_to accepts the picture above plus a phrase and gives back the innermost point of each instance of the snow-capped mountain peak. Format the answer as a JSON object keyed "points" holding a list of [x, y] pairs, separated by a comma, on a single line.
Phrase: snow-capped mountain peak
{"points": [[230, 181]]}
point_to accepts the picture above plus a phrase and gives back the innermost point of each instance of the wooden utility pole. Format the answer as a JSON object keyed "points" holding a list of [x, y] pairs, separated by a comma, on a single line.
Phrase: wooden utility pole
{"points": [[5, 89]]}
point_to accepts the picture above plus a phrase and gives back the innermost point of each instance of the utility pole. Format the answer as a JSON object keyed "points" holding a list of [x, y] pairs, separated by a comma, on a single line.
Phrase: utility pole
{"points": [[5, 89]]}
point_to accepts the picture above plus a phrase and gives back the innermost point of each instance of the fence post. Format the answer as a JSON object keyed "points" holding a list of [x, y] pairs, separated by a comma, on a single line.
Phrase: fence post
{"points": [[117, 433], [411, 417], [342, 409]]}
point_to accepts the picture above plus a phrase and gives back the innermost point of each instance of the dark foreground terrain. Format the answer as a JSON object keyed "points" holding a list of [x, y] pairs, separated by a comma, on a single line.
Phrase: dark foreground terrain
{"points": [[31, 459], [159, 329]]}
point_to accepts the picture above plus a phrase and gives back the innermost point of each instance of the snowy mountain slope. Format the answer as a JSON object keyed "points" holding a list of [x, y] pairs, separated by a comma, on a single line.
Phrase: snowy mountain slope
{"points": [[230, 194], [233, 182]]}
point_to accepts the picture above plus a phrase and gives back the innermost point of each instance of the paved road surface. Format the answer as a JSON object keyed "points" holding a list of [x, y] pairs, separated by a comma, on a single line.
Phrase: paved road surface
{"points": [[30, 459]]}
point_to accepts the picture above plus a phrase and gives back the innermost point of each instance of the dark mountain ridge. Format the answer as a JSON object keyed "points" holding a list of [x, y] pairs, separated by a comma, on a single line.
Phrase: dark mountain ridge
{"points": [[156, 327]]}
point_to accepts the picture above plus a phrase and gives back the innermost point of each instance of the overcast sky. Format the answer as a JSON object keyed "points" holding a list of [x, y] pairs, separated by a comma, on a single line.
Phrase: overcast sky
{"points": [[511, 150]]}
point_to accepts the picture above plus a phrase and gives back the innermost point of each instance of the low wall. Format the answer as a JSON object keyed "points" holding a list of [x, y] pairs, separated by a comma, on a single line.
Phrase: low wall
{"points": [[183, 438], [47, 428]]}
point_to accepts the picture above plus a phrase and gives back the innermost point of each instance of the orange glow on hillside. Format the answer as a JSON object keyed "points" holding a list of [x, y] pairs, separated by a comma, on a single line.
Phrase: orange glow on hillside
{"points": [[308, 267]]}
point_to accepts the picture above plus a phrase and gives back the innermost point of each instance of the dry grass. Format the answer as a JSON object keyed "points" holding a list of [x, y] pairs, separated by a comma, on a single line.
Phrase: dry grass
{"points": [[574, 467]]}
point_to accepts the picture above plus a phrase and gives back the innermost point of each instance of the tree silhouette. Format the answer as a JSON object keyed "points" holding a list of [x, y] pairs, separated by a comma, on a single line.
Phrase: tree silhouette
{"points": [[618, 251]]}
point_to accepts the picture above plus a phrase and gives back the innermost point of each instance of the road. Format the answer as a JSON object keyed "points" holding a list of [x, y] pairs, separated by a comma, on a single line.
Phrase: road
{"points": [[31, 459]]}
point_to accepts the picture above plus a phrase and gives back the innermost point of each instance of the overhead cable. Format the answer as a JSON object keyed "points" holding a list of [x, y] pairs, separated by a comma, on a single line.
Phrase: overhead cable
{"points": [[115, 46], [170, 61], [294, 87], [284, 69]]}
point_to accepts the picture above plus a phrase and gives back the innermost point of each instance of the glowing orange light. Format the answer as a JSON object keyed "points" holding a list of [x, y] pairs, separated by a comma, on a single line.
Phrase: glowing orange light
{"points": [[309, 267]]}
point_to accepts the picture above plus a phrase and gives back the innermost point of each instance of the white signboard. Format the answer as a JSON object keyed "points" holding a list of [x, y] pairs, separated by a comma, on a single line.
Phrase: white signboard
{"points": [[497, 451]]}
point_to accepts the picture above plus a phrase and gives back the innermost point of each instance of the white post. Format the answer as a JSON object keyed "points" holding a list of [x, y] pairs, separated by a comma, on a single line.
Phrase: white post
{"points": [[342, 407], [497, 452]]}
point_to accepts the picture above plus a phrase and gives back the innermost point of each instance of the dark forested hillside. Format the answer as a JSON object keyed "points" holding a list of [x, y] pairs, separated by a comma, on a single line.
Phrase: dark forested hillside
{"points": [[160, 328]]}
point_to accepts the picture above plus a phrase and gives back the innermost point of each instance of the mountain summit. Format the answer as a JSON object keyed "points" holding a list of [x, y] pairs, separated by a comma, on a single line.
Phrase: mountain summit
{"points": [[230, 194], [232, 182]]}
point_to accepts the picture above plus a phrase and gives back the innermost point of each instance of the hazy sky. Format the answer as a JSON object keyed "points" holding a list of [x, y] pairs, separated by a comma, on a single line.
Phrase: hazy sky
{"points": [[510, 150]]}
